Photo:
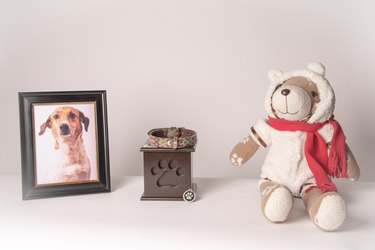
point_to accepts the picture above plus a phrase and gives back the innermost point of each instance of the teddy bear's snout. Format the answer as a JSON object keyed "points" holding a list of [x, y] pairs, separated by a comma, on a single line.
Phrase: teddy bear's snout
{"points": [[291, 102]]}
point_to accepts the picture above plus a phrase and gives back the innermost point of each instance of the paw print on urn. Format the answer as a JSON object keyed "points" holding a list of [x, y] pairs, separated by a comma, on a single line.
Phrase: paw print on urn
{"points": [[168, 173]]}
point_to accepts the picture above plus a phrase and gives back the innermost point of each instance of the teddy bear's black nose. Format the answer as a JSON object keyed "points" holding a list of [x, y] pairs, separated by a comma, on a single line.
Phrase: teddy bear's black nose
{"points": [[285, 92]]}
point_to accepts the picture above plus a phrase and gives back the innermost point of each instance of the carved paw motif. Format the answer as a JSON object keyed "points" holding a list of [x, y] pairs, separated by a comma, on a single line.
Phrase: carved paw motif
{"points": [[168, 173]]}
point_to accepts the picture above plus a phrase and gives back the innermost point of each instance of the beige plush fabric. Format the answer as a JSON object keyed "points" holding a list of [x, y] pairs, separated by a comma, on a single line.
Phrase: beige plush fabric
{"points": [[276, 201], [243, 151], [352, 167]]}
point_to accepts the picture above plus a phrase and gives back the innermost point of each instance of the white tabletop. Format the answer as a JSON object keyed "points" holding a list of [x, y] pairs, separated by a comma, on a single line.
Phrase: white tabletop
{"points": [[226, 216]]}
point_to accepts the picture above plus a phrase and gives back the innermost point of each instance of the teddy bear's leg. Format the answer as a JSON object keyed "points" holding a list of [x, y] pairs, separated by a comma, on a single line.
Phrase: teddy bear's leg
{"points": [[276, 201], [327, 210]]}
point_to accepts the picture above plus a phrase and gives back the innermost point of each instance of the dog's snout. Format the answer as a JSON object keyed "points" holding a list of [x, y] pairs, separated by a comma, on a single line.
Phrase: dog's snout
{"points": [[64, 128], [285, 92]]}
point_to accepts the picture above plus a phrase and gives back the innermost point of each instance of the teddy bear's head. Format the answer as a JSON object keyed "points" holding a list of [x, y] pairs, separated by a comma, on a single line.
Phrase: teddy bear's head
{"points": [[300, 95]]}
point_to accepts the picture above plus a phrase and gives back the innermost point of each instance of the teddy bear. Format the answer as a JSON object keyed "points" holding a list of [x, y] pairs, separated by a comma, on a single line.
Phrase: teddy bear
{"points": [[307, 148]]}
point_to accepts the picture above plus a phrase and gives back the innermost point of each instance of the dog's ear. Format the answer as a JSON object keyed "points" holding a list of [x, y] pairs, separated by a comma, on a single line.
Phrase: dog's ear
{"points": [[85, 120], [44, 126]]}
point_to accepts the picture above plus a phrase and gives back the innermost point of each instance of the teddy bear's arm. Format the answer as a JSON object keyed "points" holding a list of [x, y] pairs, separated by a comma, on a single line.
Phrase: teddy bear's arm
{"points": [[247, 147], [352, 168], [243, 151]]}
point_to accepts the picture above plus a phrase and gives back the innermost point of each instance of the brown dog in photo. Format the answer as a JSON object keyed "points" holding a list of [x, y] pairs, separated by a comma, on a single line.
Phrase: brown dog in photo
{"points": [[66, 125]]}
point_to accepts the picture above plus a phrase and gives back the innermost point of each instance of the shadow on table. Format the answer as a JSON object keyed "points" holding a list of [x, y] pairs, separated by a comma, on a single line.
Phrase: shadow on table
{"points": [[117, 182], [355, 223], [209, 185], [359, 197]]}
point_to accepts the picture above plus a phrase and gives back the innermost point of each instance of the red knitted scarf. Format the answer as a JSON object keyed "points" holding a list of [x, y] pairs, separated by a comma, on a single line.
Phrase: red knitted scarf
{"points": [[320, 163]]}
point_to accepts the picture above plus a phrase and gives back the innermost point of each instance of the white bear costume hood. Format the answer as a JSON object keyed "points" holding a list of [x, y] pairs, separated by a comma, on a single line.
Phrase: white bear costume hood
{"points": [[315, 72]]}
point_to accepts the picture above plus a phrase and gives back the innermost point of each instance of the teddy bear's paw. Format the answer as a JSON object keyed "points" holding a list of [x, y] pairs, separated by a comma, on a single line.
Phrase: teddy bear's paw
{"points": [[279, 202], [331, 213], [236, 160]]}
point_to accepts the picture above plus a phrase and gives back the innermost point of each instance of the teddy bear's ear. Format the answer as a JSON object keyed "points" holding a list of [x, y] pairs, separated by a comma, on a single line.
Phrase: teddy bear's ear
{"points": [[273, 74], [317, 68]]}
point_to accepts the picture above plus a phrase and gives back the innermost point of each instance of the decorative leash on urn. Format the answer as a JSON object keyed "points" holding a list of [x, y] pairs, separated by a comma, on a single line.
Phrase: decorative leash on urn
{"points": [[172, 138]]}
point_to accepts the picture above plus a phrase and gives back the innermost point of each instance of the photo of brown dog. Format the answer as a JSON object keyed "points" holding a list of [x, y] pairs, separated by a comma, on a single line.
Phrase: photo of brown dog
{"points": [[64, 159]]}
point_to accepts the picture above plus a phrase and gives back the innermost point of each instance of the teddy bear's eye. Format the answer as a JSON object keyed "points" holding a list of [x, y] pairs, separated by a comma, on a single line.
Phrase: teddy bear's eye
{"points": [[314, 94]]}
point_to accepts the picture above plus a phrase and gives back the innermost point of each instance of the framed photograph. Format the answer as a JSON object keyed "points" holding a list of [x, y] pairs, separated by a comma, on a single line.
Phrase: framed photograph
{"points": [[64, 143]]}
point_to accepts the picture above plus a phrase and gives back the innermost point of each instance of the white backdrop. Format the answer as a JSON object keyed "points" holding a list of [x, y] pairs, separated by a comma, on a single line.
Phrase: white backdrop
{"points": [[199, 64]]}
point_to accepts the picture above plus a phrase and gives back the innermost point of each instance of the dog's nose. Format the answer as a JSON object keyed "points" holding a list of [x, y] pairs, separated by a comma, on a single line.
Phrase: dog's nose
{"points": [[64, 127], [285, 92]]}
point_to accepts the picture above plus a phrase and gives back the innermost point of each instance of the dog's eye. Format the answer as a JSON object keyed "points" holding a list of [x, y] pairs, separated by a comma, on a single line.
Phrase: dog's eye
{"points": [[72, 116], [56, 116]]}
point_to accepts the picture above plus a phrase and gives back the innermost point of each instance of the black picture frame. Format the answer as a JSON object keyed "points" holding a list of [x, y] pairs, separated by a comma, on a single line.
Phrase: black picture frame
{"points": [[27, 102]]}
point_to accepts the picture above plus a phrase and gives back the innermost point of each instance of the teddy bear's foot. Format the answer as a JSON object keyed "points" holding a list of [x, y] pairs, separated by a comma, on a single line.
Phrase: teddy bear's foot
{"points": [[327, 210], [276, 201]]}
